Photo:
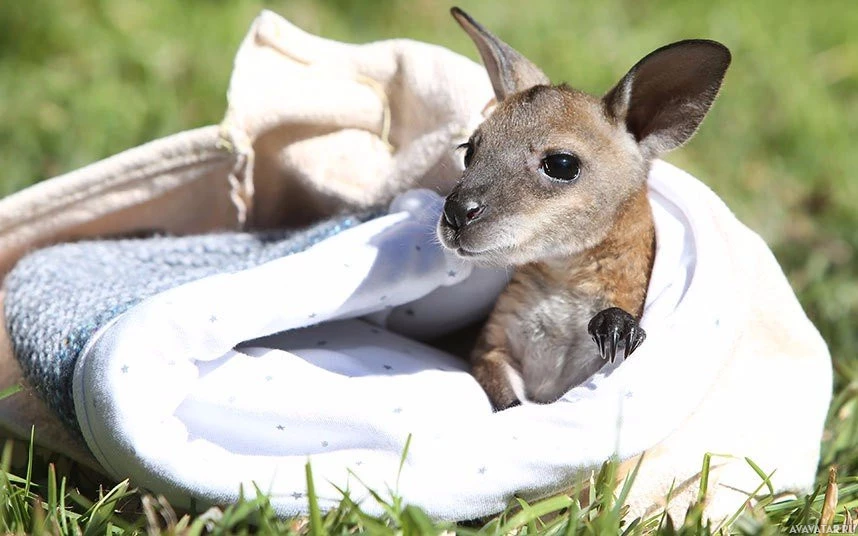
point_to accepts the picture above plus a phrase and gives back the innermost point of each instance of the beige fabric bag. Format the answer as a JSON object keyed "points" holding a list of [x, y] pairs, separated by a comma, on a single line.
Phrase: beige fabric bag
{"points": [[315, 126]]}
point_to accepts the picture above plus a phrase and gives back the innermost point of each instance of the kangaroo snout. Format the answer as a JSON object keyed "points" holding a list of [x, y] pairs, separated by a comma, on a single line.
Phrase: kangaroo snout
{"points": [[461, 212], [456, 230]]}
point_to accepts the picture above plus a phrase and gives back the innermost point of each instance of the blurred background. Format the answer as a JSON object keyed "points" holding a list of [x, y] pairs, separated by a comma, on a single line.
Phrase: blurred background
{"points": [[83, 79]]}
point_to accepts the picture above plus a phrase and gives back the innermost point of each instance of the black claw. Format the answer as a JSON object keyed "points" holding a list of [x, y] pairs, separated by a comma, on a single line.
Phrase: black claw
{"points": [[639, 339], [629, 343], [613, 328], [612, 344]]}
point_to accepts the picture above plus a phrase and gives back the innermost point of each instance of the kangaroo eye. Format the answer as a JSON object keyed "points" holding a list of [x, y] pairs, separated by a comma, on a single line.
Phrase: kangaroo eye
{"points": [[469, 152], [562, 166]]}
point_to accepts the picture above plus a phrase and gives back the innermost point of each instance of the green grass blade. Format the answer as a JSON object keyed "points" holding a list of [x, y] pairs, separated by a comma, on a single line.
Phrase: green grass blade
{"points": [[101, 514], [667, 500], [313, 503], [53, 498], [574, 517], [732, 519], [704, 477], [766, 479], [627, 486], [418, 521], [391, 509], [9, 391], [633, 527], [808, 504], [30, 460], [530, 513], [402, 459], [63, 513]]}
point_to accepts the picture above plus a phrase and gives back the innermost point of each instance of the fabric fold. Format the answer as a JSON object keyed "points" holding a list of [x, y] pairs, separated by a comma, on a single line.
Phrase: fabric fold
{"points": [[263, 369]]}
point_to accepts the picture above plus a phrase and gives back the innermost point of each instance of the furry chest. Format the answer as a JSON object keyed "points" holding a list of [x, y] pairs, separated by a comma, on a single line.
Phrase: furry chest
{"points": [[549, 345]]}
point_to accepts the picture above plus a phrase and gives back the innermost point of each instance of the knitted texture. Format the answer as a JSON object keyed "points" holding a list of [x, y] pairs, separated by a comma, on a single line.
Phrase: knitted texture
{"points": [[58, 297]]}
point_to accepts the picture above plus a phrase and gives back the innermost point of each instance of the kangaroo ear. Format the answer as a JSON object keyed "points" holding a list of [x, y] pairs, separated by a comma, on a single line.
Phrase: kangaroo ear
{"points": [[509, 71], [665, 96]]}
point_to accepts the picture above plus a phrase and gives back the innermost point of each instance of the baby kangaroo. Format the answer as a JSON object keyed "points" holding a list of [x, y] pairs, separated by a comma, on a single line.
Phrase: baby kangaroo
{"points": [[555, 185]]}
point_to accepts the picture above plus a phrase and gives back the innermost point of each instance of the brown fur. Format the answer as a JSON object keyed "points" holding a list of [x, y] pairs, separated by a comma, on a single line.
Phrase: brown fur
{"points": [[619, 267], [615, 273]]}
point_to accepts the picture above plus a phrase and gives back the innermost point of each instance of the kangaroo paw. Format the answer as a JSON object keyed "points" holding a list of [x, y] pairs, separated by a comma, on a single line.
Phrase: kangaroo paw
{"points": [[614, 329]]}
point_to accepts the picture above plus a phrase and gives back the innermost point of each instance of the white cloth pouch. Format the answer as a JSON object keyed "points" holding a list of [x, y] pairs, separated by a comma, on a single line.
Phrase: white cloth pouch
{"points": [[311, 351]]}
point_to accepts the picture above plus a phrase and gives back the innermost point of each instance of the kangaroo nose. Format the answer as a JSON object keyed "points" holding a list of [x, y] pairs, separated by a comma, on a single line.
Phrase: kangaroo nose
{"points": [[458, 214]]}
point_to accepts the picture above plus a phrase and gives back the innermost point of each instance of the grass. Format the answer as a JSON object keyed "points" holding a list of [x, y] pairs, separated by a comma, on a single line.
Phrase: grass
{"points": [[597, 506], [84, 79]]}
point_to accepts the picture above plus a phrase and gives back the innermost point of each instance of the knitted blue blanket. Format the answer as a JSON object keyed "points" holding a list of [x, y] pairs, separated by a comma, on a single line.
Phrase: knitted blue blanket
{"points": [[58, 297]]}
